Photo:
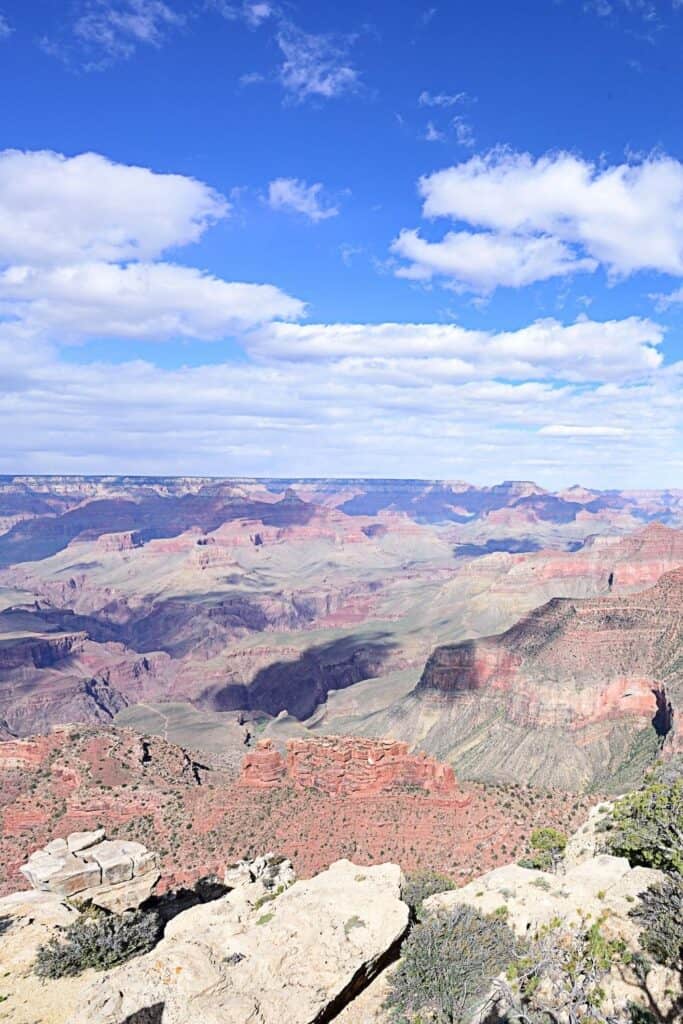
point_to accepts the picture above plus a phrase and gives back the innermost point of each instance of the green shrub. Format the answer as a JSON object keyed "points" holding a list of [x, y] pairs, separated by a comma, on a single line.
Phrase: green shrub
{"points": [[559, 976], [661, 912], [647, 826], [97, 939], [547, 846], [447, 965], [419, 885]]}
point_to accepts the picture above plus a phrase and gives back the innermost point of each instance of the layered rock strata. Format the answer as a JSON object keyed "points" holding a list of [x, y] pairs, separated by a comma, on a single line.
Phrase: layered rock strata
{"points": [[340, 765], [114, 874]]}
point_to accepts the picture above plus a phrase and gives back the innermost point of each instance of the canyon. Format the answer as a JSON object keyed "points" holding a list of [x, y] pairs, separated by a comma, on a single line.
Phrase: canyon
{"points": [[577, 693], [200, 814], [217, 612]]}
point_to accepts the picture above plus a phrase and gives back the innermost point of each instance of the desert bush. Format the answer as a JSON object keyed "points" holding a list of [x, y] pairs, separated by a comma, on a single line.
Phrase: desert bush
{"points": [[559, 977], [97, 939], [420, 885], [647, 826], [660, 911], [447, 965], [547, 845]]}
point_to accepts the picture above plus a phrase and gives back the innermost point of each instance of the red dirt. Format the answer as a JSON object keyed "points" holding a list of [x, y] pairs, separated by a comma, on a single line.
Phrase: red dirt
{"points": [[87, 776]]}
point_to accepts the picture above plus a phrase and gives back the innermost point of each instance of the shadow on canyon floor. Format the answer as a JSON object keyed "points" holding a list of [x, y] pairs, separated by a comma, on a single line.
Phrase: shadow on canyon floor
{"points": [[300, 685]]}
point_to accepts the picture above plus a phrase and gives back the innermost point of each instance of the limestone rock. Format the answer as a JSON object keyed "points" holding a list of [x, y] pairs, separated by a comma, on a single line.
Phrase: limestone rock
{"points": [[29, 919], [115, 874], [294, 958], [589, 840], [601, 888], [273, 871]]}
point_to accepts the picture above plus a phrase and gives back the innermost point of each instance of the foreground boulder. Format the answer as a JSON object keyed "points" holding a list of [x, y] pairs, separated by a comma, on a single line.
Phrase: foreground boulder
{"points": [[115, 874], [298, 957]]}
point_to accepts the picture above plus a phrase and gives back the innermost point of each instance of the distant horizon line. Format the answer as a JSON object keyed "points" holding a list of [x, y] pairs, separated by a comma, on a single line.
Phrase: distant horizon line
{"points": [[201, 477]]}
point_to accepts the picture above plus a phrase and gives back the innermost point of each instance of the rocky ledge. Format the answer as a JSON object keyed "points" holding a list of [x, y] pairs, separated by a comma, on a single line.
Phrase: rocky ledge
{"points": [[114, 874], [254, 955]]}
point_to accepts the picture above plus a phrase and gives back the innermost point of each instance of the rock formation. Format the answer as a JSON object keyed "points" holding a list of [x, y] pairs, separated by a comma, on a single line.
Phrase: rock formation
{"points": [[299, 957], [114, 874], [599, 888], [351, 766], [578, 692]]}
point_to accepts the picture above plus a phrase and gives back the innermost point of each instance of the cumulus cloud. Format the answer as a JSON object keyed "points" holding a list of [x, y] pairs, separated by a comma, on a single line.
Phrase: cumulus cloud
{"points": [[354, 415], [5, 27], [583, 351], [79, 238], [314, 65], [482, 261], [154, 301], [627, 217], [55, 209], [298, 196]]}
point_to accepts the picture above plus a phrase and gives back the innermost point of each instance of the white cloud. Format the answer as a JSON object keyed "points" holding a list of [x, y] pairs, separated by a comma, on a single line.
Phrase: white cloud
{"points": [[482, 261], [464, 135], [428, 99], [432, 133], [157, 301], [253, 12], [5, 27], [105, 31], [60, 209], [357, 415], [583, 351], [628, 217], [578, 430], [78, 240], [300, 197], [256, 13], [314, 65]]}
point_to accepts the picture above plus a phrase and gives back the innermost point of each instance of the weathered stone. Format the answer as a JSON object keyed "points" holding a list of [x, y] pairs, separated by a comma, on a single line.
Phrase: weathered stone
{"points": [[145, 862], [115, 860], [115, 874], [40, 868], [347, 765], [78, 841], [293, 959], [75, 876], [128, 896]]}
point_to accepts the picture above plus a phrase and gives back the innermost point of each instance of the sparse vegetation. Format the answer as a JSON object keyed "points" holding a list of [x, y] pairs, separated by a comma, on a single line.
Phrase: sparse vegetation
{"points": [[647, 826], [548, 846], [420, 885], [448, 963], [660, 911], [99, 940], [558, 977]]}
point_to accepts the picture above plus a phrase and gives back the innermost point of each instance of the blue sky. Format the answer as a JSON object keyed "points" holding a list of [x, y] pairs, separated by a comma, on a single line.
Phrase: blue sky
{"points": [[272, 188]]}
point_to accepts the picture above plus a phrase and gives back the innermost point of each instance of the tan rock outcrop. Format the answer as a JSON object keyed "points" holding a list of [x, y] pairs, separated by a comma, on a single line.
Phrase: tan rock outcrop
{"points": [[114, 874], [298, 958], [601, 888]]}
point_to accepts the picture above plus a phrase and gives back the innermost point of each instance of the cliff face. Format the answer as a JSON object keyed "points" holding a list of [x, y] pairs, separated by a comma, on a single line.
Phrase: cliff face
{"points": [[576, 692], [349, 766]]}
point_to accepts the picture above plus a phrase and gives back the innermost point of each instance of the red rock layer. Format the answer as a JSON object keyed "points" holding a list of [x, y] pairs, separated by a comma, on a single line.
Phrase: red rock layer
{"points": [[352, 766], [575, 662], [81, 778]]}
